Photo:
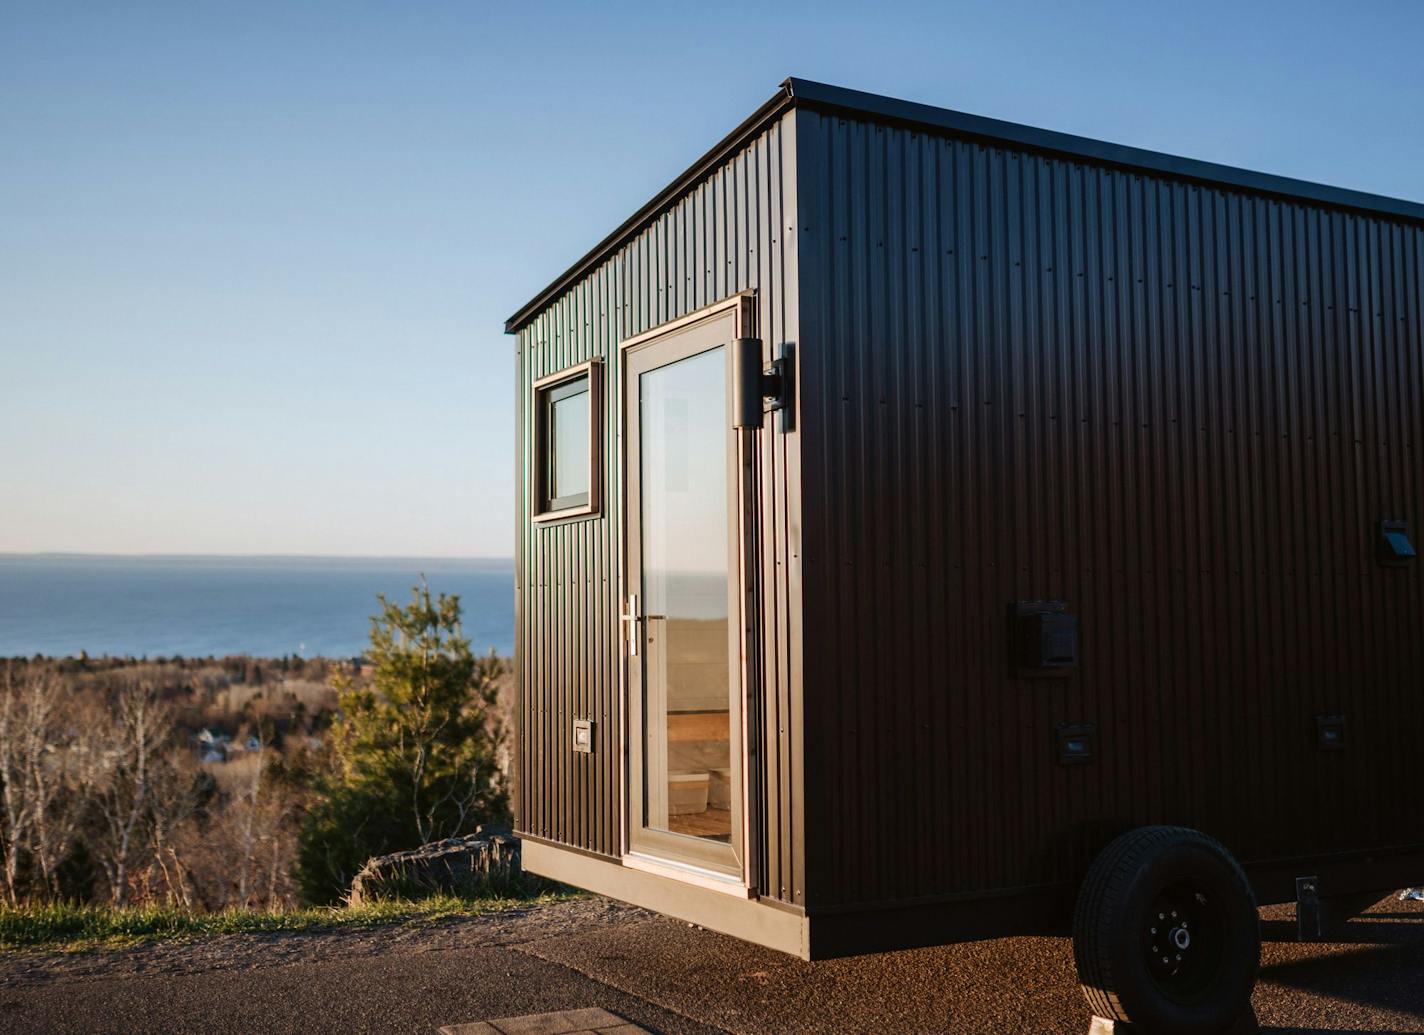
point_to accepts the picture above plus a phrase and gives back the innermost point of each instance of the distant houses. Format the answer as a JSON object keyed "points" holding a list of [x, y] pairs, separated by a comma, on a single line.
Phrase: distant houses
{"points": [[211, 746], [215, 746]]}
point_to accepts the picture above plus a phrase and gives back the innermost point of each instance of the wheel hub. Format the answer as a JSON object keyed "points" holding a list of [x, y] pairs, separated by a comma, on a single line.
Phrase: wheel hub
{"points": [[1183, 941]]}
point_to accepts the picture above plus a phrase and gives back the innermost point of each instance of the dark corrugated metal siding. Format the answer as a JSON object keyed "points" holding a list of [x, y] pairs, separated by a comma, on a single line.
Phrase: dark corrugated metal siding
{"points": [[1182, 409], [726, 234]]}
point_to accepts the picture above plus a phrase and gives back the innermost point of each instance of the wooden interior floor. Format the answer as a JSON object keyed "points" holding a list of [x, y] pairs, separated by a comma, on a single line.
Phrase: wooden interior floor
{"points": [[714, 824]]}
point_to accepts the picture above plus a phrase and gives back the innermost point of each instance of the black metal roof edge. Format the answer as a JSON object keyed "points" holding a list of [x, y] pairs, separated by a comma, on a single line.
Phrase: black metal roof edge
{"points": [[910, 113], [732, 142], [822, 96]]}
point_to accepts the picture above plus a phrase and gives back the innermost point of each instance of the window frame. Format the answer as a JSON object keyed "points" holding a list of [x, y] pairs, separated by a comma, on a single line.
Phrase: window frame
{"points": [[542, 507]]}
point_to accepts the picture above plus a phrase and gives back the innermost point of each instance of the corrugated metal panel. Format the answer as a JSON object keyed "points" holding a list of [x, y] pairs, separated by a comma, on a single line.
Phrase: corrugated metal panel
{"points": [[1181, 409], [890, 111], [724, 234]]}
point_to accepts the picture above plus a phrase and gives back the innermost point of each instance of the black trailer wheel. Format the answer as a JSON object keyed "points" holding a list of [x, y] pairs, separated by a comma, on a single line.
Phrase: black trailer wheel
{"points": [[1166, 933]]}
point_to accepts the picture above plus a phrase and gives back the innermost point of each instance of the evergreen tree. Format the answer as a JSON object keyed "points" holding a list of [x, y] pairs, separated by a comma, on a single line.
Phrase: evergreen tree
{"points": [[414, 750]]}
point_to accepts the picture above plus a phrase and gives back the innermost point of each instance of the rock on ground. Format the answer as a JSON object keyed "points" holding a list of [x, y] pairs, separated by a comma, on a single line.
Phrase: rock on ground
{"points": [[480, 863]]}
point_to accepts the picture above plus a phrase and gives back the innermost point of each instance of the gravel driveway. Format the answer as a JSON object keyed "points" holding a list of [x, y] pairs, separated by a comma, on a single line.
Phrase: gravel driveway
{"points": [[664, 975]]}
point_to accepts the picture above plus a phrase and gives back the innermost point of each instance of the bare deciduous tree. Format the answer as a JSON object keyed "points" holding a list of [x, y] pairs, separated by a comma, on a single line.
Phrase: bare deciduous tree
{"points": [[40, 775], [250, 802], [125, 794], [242, 854], [171, 806], [17, 810]]}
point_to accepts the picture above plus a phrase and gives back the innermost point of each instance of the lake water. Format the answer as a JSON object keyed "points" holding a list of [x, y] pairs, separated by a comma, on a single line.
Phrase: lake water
{"points": [[60, 605]]}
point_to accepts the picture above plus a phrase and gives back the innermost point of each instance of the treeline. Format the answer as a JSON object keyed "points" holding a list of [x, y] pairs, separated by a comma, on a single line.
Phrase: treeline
{"points": [[227, 696], [105, 795], [243, 782], [236, 668]]}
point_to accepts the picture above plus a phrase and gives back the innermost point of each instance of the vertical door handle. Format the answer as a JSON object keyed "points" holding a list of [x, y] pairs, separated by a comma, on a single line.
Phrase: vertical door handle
{"points": [[630, 619]]}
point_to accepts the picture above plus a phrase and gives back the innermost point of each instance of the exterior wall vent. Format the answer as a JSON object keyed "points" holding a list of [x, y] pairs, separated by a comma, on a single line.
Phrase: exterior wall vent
{"points": [[1330, 732], [1075, 743]]}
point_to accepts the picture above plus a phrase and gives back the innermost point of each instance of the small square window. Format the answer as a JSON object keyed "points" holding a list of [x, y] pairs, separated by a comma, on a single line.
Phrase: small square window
{"points": [[566, 453]]}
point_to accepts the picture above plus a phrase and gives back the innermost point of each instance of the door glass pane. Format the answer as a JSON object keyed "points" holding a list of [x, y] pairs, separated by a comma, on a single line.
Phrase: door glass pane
{"points": [[568, 434], [684, 436]]}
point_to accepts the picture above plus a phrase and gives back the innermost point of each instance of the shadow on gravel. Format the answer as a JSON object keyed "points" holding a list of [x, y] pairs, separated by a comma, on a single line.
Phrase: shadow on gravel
{"points": [[1381, 977], [1376, 930]]}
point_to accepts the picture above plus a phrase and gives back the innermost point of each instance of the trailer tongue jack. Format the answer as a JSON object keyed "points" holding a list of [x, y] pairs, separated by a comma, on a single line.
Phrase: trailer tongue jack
{"points": [[1321, 918]]}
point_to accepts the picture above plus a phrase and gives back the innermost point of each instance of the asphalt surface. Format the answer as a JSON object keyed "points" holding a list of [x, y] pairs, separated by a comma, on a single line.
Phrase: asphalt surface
{"points": [[666, 976]]}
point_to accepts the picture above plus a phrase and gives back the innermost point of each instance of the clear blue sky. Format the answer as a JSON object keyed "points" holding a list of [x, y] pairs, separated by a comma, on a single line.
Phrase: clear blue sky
{"points": [[255, 259]]}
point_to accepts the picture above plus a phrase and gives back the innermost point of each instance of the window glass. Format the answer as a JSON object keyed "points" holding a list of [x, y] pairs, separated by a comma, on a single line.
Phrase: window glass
{"points": [[568, 439], [565, 444]]}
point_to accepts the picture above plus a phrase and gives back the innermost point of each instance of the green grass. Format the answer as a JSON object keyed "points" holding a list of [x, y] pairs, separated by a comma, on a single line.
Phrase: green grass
{"points": [[72, 926]]}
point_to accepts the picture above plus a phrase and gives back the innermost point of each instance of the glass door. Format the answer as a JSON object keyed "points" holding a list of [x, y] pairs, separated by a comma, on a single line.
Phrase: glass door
{"points": [[684, 688]]}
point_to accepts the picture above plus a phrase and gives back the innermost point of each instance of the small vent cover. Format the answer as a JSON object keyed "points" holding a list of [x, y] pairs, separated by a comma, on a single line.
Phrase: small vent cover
{"points": [[1075, 743], [1330, 732]]}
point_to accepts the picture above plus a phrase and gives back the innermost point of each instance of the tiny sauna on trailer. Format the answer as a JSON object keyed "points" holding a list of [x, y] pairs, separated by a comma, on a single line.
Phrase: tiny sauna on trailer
{"points": [[929, 523]]}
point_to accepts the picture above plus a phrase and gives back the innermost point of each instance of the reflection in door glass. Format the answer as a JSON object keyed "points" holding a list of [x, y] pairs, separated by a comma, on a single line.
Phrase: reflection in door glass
{"points": [[684, 440]]}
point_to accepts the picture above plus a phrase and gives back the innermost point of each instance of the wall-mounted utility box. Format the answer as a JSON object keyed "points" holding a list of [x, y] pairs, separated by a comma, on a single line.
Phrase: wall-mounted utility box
{"points": [[1044, 638]]}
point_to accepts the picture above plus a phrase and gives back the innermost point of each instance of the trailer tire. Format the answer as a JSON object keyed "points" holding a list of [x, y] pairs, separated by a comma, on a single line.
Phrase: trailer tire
{"points": [[1166, 934]]}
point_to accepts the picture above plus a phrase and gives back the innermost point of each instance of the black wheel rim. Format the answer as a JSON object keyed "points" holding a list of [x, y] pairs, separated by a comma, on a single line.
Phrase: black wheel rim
{"points": [[1184, 937]]}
